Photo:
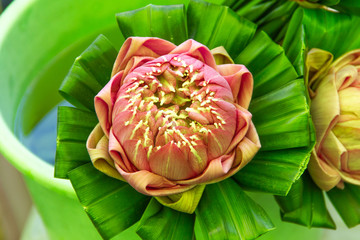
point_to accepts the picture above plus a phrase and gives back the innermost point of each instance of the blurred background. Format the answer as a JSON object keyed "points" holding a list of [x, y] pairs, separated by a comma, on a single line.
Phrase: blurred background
{"points": [[15, 202], [4, 3]]}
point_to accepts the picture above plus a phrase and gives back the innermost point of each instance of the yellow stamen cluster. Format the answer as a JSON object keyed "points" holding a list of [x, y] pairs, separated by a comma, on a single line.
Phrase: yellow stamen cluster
{"points": [[171, 106]]}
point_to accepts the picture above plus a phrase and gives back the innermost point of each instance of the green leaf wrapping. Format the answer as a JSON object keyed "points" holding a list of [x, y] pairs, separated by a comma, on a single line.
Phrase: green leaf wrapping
{"points": [[273, 16], [170, 224], [279, 170], [294, 42], [166, 22], [309, 28], [305, 205], [267, 61], [112, 205], [349, 6], [347, 203], [71, 148], [225, 206], [216, 26], [287, 111], [89, 74], [277, 88]]}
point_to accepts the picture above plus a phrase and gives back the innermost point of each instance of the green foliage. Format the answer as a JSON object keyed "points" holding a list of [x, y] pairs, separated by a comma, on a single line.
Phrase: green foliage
{"points": [[170, 224], [347, 203], [305, 205], [238, 221], [277, 86]]}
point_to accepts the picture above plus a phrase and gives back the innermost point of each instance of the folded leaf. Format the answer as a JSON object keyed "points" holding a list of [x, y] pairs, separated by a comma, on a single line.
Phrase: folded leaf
{"points": [[166, 22], [160, 222], [347, 203], [237, 221], [305, 205], [110, 203], [215, 26], [89, 74], [71, 148], [312, 28]]}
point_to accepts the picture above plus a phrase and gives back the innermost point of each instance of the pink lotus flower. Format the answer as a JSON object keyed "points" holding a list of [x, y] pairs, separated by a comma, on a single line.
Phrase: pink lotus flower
{"points": [[170, 118], [335, 109]]}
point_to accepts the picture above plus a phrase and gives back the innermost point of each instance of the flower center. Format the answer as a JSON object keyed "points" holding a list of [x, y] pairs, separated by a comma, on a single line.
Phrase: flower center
{"points": [[177, 100]]}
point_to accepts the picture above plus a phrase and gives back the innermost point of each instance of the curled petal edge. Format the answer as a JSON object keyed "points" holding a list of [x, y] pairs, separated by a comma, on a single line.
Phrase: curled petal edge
{"points": [[240, 80], [141, 47], [218, 169], [97, 146], [196, 50], [221, 56], [103, 104], [324, 175]]}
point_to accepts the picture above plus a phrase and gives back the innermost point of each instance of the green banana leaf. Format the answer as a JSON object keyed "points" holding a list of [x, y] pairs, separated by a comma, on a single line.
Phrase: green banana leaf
{"points": [[305, 205], [72, 120], [238, 223], [347, 203], [149, 16], [276, 84], [338, 34], [273, 16], [83, 82], [349, 6], [170, 224], [98, 191], [276, 87]]}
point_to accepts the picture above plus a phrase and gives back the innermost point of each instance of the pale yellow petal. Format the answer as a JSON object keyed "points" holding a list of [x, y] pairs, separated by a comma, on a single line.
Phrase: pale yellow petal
{"points": [[351, 178], [348, 134], [345, 76], [334, 150], [183, 202], [149, 183], [317, 64], [221, 56], [354, 160], [350, 101], [325, 108], [350, 58], [247, 148], [97, 146], [325, 176]]}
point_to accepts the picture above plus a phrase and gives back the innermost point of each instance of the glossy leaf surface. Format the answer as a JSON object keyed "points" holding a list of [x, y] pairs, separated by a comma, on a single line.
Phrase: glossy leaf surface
{"points": [[170, 224], [233, 220], [112, 205], [71, 148], [305, 205], [89, 73], [347, 203]]}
